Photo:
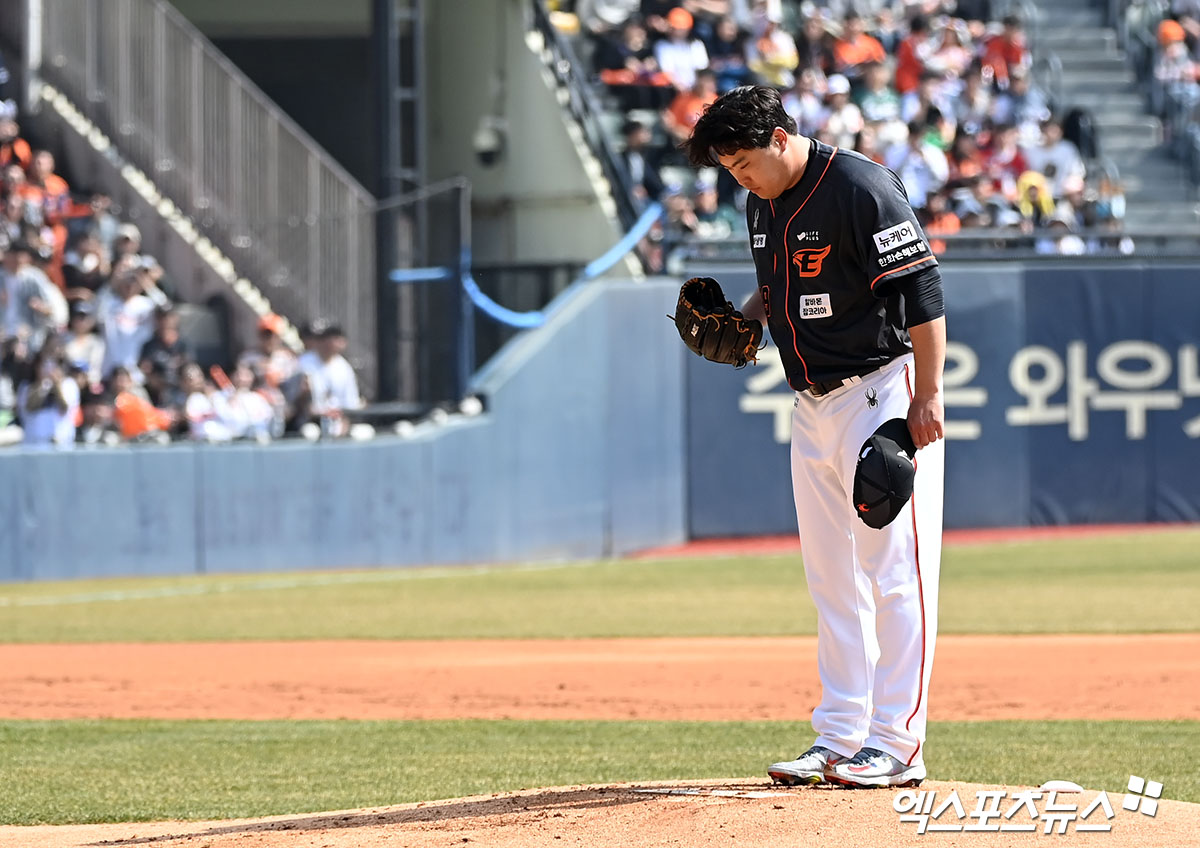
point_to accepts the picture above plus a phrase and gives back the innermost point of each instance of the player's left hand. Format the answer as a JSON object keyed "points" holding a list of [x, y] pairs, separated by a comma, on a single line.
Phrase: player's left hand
{"points": [[926, 419]]}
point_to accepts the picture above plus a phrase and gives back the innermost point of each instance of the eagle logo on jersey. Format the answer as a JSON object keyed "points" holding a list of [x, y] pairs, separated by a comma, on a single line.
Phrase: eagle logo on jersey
{"points": [[808, 260]]}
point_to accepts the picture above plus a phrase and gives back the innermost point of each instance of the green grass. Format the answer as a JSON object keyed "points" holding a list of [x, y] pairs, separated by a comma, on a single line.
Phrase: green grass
{"points": [[73, 772], [1117, 584]]}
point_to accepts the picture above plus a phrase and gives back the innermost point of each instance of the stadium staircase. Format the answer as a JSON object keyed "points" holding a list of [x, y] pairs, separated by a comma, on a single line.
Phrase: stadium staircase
{"points": [[210, 162], [1096, 76]]}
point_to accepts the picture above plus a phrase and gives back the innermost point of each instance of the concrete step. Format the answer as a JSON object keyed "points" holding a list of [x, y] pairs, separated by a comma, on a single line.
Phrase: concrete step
{"points": [[1060, 17], [1115, 79], [1086, 62], [1113, 128], [1099, 102], [1152, 215], [1101, 39], [1116, 146]]}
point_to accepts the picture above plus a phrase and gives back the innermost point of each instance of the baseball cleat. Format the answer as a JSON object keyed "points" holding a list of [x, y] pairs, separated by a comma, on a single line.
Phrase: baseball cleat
{"points": [[813, 766], [871, 767]]}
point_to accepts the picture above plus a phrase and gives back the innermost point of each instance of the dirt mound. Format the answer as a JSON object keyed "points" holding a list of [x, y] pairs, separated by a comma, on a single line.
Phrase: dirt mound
{"points": [[696, 814]]}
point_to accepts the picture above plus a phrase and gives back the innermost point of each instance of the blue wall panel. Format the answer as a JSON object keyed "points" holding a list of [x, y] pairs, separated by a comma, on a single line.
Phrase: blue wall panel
{"points": [[987, 323]]}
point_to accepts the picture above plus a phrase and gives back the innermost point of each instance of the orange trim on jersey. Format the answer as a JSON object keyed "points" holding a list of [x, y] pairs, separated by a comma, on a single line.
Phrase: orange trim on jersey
{"points": [[901, 268], [787, 291], [920, 595]]}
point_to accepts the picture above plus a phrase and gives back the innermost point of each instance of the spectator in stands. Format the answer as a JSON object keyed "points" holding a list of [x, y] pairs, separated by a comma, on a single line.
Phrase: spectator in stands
{"points": [[82, 346], [205, 407], [1022, 105], [715, 221], [914, 49], [868, 143], [1055, 158], [1005, 161], [951, 56], [1006, 50], [86, 267], [965, 157], [135, 416], [919, 164], [977, 14], [247, 413], [1035, 202], [97, 219], [814, 46], [271, 362], [772, 55], [14, 150], [163, 355], [14, 224], [806, 101], [680, 117], [628, 67], [127, 314], [841, 120], [887, 30], [48, 402], [727, 55], [706, 14], [878, 101], [973, 107], [854, 49], [938, 219], [36, 307], [604, 17], [332, 384], [680, 55], [54, 196], [641, 162], [929, 96], [656, 13], [98, 423]]}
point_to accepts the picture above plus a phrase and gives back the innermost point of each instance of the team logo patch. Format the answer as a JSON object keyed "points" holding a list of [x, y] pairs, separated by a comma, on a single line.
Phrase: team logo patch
{"points": [[808, 260], [872, 398], [893, 237], [815, 305], [760, 239]]}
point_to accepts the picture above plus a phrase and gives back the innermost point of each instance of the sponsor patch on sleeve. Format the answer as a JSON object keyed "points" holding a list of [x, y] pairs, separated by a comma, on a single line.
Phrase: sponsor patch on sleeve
{"points": [[893, 237], [760, 239], [815, 306]]}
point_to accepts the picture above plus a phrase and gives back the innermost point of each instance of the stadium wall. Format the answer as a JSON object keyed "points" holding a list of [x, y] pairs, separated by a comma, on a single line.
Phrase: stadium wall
{"points": [[1073, 396], [578, 456]]}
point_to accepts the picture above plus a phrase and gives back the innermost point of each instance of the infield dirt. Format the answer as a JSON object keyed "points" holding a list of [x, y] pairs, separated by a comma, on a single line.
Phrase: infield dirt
{"points": [[976, 677]]}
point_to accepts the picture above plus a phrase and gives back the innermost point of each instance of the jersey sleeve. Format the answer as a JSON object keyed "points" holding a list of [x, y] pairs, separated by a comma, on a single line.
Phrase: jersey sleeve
{"points": [[889, 239]]}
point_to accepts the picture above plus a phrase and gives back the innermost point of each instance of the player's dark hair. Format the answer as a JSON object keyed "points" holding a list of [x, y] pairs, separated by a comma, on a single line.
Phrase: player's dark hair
{"points": [[741, 119]]}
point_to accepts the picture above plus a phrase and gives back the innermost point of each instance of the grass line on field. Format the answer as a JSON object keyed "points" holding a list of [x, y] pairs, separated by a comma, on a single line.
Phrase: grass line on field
{"points": [[224, 586], [1138, 583], [96, 771]]}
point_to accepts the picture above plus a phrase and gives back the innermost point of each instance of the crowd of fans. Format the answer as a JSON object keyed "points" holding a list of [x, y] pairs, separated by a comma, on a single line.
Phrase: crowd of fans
{"points": [[91, 350], [1169, 35], [937, 90]]}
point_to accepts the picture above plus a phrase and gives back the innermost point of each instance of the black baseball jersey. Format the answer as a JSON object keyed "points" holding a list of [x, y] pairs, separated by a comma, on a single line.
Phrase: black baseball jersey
{"points": [[827, 253]]}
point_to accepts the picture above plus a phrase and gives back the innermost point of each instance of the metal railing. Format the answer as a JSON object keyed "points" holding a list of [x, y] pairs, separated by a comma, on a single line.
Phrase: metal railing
{"points": [[291, 219], [580, 102]]}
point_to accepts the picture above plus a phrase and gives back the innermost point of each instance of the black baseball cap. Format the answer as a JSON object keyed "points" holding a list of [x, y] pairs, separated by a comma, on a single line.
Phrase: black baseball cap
{"points": [[883, 479]]}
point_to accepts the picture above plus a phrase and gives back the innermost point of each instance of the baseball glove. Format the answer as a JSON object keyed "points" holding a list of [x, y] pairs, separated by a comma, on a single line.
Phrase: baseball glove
{"points": [[712, 328]]}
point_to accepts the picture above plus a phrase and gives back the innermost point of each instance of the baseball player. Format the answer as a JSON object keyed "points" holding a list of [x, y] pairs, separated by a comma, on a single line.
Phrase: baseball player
{"points": [[852, 296]]}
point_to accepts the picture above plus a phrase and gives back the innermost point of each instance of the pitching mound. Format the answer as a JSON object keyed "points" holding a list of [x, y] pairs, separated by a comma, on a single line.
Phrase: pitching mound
{"points": [[696, 814]]}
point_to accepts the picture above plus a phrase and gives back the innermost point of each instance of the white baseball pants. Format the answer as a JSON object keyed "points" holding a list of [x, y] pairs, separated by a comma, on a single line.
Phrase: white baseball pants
{"points": [[875, 590]]}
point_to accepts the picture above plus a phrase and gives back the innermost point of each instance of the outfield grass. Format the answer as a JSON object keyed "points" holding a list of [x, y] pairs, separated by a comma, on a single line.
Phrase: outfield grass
{"points": [[74, 772], [1114, 584]]}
